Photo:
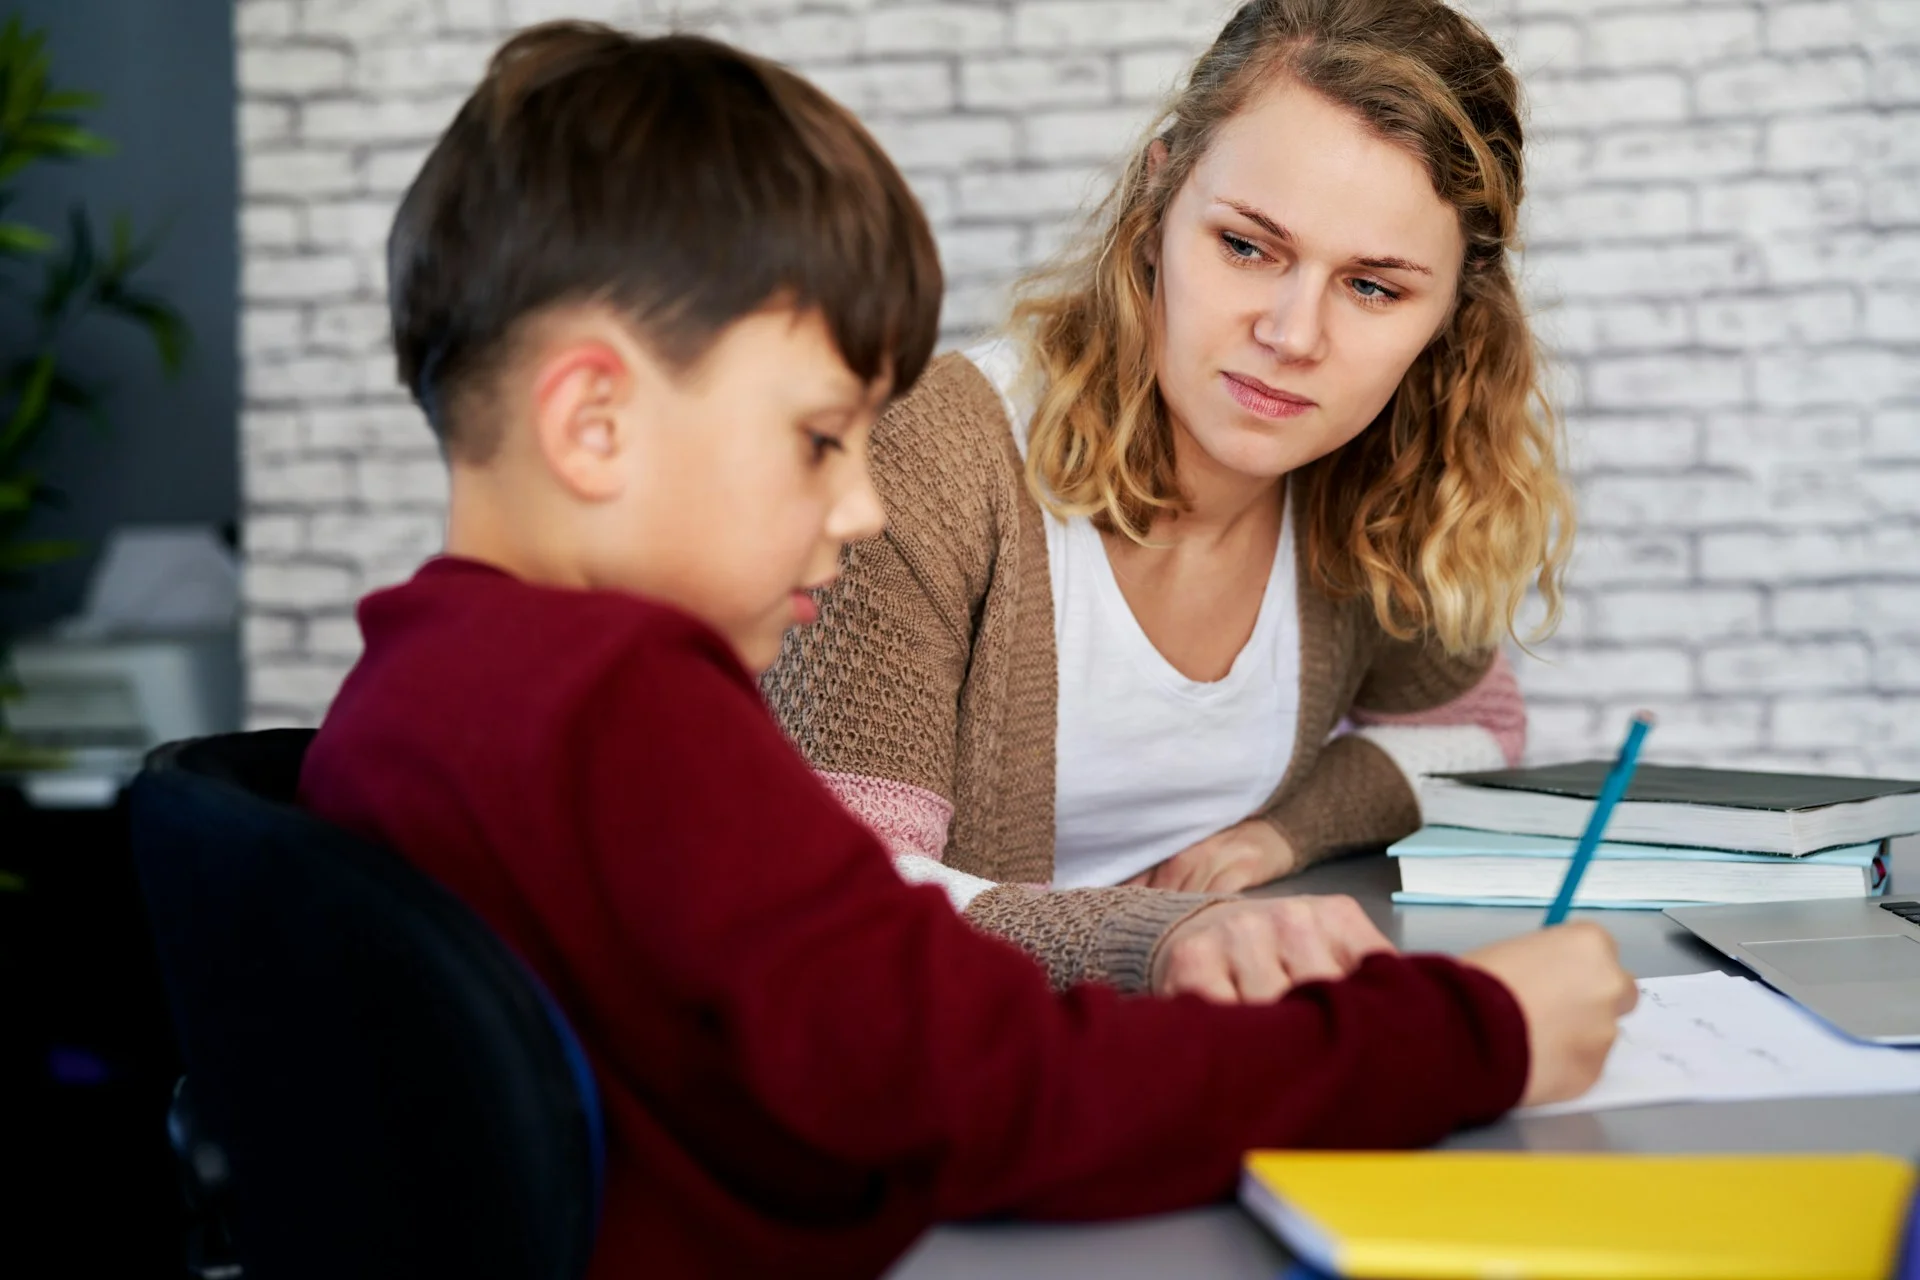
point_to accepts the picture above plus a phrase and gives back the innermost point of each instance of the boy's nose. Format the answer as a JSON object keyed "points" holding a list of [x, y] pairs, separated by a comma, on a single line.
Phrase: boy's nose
{"points": [[859, 513]]}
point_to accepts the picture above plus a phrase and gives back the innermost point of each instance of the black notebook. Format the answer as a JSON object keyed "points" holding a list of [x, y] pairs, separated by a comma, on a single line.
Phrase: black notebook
{"points": [[1783, 813]]}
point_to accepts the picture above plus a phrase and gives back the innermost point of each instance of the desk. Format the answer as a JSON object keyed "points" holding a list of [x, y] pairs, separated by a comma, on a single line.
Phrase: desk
{"points": [[1221, 1242]]}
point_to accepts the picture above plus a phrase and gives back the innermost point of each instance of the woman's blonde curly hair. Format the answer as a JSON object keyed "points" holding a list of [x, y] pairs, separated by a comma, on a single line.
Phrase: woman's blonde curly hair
{"points": [[1451, 502]]}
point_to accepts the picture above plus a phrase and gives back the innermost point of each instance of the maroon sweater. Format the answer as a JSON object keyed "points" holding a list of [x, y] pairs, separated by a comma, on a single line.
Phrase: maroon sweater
{"points": [[804, 1060]]}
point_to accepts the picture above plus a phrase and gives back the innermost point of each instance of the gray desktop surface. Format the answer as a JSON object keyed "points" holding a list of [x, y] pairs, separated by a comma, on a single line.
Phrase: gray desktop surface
{"points": [[1221, 1242]]}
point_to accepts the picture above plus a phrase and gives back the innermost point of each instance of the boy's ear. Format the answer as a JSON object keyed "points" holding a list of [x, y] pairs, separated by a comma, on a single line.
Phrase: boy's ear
{"points": [[579, 390]]}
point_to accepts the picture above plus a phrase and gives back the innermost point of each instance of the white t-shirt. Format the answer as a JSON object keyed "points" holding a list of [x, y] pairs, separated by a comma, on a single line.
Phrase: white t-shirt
{"points": [[1147, 761]]}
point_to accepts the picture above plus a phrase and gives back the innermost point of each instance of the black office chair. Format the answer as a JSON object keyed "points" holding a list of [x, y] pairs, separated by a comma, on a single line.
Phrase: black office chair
{"points": [[375, 1085]]}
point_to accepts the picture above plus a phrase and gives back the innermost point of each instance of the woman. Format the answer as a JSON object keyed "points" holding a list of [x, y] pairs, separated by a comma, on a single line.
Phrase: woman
{"points": [[1189, 579]]}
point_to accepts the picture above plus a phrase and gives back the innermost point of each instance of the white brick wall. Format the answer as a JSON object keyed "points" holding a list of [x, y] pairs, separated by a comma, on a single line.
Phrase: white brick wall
{"points": [[1724, 253]]}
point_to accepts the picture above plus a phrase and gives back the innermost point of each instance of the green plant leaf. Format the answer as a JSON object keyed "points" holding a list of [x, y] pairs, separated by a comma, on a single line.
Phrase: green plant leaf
{"points": [[35, 553], [127, 252], [31, 407], [69, 100], [13, 159], [82, 397], [162, 322], [61, 138], [48, 495], [80, 228], [68, 391], [18, 237], [123, 250], [70, 275], [58, 287], [23, 55], [89, 270]]}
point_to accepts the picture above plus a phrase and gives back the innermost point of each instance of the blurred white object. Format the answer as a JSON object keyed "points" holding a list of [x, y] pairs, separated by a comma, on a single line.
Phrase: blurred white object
{"points": [[153, 656], [159, 578], [108, 702]]}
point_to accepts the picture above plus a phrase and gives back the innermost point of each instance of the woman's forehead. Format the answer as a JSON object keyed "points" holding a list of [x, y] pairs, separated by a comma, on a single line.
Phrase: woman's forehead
{"points": [[1315, 169]]}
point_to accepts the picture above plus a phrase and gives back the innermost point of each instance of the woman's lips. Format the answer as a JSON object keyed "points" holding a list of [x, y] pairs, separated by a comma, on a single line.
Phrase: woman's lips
{"points": [[1263, 401]]}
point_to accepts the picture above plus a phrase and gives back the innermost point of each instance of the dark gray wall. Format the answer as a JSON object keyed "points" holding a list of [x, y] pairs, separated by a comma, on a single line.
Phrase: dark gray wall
{"points": [[165, 72]]}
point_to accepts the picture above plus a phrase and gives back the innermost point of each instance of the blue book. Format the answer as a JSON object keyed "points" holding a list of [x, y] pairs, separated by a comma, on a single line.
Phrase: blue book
{"points": [[1487, 868]]}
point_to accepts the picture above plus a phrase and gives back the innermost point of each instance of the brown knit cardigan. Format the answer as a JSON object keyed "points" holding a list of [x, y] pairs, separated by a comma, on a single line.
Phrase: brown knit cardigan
{"points": [[933, 665]]}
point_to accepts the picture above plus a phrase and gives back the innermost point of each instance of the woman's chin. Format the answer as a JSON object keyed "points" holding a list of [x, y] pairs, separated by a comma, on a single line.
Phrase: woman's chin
{"points": [[1258, 451]]}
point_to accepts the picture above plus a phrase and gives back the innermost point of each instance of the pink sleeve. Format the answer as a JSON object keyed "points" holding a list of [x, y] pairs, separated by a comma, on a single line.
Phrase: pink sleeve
{"points": [[912, 821], [1494, 704]]}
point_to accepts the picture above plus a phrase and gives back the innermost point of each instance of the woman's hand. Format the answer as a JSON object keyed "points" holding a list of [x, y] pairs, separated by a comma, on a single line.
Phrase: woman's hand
{"points": [[1255, 950], [1249, 853]]}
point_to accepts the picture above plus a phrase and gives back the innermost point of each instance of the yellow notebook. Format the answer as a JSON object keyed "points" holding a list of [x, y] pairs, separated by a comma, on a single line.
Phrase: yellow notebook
{"points": [[1443, 1215]]}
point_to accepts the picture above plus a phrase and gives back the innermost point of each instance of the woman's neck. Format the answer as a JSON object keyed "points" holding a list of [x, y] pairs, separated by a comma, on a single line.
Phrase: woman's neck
{"points": [[1222, 504]]}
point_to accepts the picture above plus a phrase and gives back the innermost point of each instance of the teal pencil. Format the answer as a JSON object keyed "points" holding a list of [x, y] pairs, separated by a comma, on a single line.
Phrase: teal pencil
{"points": [[1610, 792]]}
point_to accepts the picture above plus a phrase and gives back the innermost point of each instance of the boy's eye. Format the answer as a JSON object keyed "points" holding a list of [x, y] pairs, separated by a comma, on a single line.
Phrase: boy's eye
{"points": [[823, 445], [1240, 247]]}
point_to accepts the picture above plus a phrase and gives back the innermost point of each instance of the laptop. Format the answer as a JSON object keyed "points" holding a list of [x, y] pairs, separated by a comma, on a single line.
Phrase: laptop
{"points": [[1853, 961]]}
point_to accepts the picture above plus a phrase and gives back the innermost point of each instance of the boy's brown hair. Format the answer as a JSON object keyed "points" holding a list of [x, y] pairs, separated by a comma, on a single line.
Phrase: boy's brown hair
{"points": [[680, 181]]}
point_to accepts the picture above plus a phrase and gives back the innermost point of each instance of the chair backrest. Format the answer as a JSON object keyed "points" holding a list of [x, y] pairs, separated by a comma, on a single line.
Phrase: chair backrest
{"points": [[394, 1092]]}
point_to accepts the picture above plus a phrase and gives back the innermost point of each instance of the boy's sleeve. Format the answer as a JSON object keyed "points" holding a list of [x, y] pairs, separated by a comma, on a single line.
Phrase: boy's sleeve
{"points": [[878, 1027], [1418, 711]]}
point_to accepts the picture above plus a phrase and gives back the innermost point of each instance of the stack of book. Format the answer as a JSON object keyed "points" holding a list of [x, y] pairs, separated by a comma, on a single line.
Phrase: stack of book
{"points": [[1680, 836]]}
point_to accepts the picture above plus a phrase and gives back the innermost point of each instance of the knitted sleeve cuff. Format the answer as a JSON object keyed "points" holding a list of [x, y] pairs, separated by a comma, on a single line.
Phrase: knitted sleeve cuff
{"points": [[1087, 935], [1356, 798]]}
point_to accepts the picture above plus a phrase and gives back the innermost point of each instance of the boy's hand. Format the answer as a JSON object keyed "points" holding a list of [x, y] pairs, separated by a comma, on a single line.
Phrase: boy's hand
{"points": [[1255, 950], [1245, 854], [1572, 991]]}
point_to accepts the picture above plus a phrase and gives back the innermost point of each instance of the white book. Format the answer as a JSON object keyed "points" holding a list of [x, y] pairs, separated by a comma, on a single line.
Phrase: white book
{"points": [[1448, 864]]}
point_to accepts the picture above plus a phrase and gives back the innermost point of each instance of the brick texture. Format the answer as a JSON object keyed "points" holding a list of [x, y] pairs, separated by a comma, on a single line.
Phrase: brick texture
{"points": [[1723, 258]]}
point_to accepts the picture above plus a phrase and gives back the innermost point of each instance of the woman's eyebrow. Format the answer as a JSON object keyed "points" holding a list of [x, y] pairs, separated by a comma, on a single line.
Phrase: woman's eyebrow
{"points": [[1252, 214], [1393, 264], [1285, 236]]}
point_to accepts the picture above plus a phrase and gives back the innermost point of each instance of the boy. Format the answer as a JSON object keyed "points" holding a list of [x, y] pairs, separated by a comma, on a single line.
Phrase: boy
{"points": [[651, 295]]}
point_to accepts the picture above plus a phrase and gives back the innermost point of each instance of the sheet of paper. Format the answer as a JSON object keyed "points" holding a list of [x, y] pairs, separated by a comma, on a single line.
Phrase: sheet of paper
{"points": [[1712, 1037]]}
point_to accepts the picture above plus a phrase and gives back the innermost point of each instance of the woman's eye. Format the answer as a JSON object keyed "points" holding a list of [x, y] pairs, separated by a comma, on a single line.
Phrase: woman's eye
{"points": [[1373, 291], [1239, 247]]}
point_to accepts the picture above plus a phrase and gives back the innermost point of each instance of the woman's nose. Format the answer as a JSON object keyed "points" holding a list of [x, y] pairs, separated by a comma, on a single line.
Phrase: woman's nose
{"points": [[1291, 326]]}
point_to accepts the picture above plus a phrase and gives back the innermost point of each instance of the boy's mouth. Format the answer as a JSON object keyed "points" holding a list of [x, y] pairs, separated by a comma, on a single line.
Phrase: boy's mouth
{"points": [[806, 608]]}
